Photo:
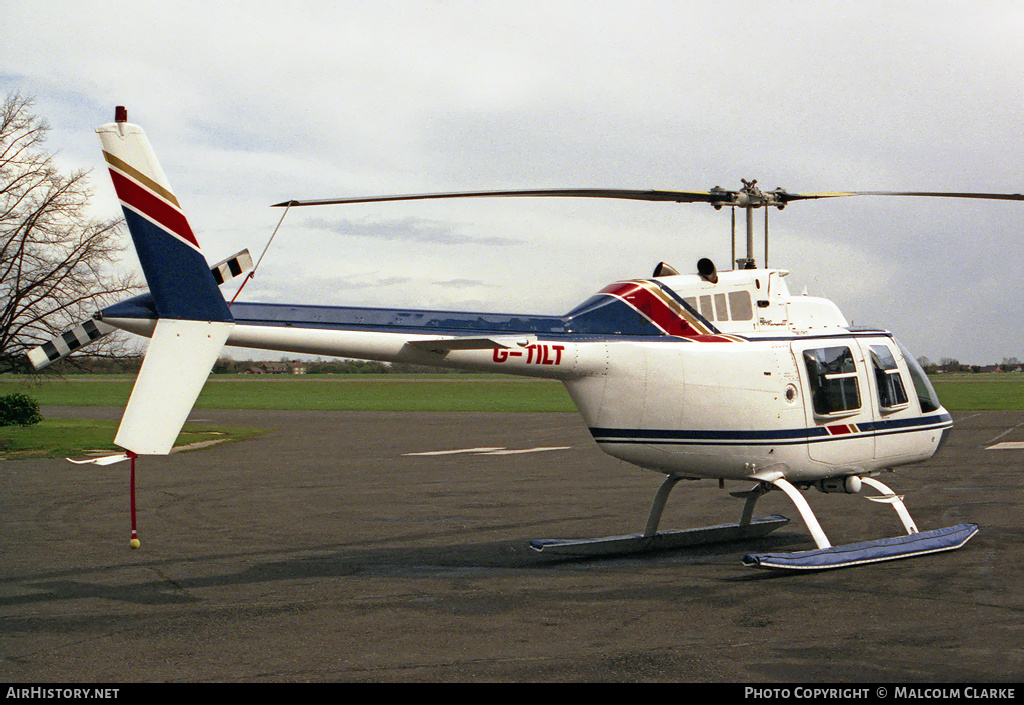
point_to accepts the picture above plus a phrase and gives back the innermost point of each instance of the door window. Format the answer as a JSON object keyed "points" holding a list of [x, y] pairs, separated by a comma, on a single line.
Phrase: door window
{"points": [[891, 392], [833, 376]]}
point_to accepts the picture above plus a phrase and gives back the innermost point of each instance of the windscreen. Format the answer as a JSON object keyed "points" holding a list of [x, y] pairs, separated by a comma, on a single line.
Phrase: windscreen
{"points": [[925, 391]]}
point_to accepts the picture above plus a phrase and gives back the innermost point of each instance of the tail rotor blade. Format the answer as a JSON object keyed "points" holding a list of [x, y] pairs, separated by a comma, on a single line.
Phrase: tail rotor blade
{"points": [[66, 343]]}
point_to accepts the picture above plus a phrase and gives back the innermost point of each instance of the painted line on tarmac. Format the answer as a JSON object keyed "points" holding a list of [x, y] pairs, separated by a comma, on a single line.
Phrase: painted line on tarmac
{"points": [[490, 451], [454, 452], [525, 450], [1007, 432]]}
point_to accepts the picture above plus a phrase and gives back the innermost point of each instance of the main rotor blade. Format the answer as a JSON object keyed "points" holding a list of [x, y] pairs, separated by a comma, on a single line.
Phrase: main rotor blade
{"points": [[945, 194], [629, 194], [716, 197], [787, 197]]}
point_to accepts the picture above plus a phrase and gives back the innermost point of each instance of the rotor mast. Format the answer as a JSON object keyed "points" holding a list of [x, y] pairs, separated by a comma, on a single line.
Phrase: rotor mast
{"points": [[748, 198]]}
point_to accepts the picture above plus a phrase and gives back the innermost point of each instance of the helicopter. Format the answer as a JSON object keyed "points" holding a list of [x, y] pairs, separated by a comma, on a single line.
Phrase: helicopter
{"points": [[710, 375]]}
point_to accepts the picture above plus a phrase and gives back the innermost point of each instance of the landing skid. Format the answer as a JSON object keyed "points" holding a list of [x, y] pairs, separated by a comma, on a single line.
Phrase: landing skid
{"points": [[826, 556], [661, 540], [948, 539], [653, 540]]}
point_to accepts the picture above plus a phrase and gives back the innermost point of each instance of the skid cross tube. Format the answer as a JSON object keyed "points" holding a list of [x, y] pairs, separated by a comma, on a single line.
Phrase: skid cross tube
{"points": [[890, 497], [805, 511], [659, 505]]}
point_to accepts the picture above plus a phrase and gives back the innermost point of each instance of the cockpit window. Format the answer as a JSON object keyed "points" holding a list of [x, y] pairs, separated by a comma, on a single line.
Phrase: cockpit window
{"points": [[891, 393], [833, 375]]}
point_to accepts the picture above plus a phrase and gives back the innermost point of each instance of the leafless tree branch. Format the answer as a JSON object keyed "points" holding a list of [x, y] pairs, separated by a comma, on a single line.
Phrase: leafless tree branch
{"points": [[57, 265]]}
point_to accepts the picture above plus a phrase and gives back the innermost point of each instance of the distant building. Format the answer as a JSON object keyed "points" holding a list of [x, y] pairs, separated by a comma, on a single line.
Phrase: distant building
{"points": [[276, 368]]}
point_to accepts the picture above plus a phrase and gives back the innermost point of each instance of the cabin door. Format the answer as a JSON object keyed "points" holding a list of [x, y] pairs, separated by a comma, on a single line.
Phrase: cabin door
{"points": [[838, 402]]}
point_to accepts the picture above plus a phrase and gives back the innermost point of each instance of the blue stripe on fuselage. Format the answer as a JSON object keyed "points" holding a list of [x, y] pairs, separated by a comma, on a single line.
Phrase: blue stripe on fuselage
{"points": [[791, 436], [380, 320], [392, 320]]}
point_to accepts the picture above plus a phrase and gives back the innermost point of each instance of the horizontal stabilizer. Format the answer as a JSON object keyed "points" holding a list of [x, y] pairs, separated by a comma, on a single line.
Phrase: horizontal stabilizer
{"points": [[67, 342], [947, 539], [180, 357], [443, 345]]}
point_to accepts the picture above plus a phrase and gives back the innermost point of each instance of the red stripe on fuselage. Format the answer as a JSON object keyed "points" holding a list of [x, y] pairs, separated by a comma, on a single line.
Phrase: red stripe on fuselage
{"points": [[152, 207], [712, 338], [654, 308]]}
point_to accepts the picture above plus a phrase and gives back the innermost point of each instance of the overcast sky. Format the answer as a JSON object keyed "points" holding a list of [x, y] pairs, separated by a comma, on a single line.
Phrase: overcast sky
{"points": [[251, 103]]}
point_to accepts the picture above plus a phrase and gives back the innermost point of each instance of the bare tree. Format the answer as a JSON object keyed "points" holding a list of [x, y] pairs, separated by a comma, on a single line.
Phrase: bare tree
{"points": [[57, 265]]}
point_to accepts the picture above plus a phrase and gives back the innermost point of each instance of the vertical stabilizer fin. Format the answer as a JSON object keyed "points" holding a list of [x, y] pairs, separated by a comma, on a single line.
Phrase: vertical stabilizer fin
{"points": [[180, 357], [176, 271]]}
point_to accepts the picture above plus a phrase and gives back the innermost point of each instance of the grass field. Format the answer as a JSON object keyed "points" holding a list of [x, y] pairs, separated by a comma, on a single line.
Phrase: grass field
{"points": [[458, 392], [67, 438], [64, 438], [57, 438], [970, 392]]}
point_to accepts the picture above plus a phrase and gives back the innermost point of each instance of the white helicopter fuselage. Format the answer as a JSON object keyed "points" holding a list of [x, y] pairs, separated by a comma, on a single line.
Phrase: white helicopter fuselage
{"points": [[732, 396], [754, 406]]}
